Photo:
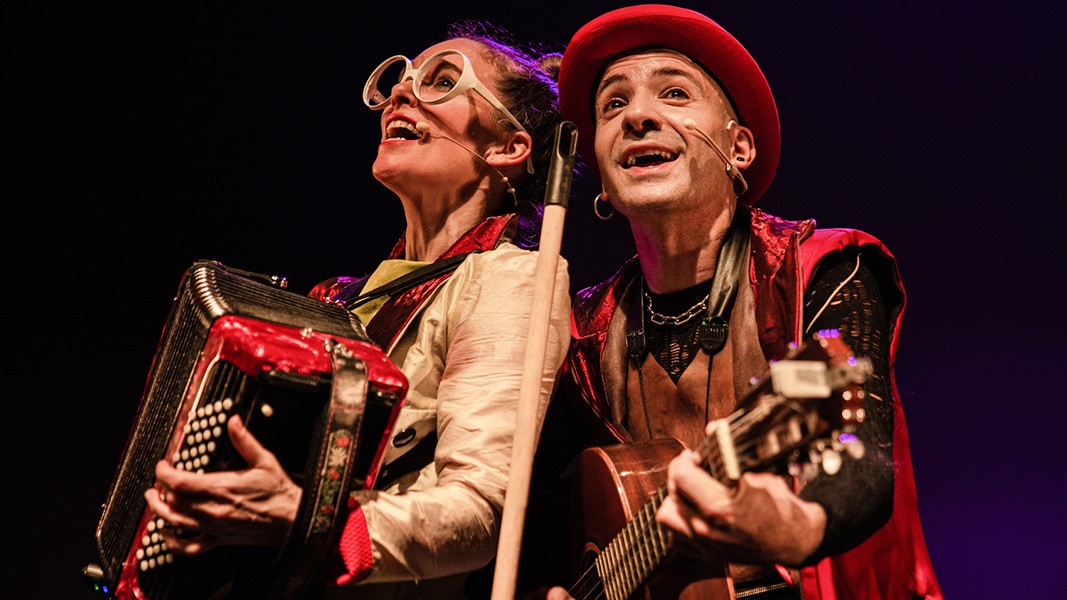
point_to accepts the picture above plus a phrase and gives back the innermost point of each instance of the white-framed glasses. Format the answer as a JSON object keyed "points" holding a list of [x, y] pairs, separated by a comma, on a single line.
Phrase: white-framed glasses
{"points": [[442, 77]]}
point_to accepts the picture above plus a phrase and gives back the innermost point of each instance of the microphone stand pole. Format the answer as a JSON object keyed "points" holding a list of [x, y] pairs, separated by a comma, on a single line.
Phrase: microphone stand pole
{"points": [[561, 170]]}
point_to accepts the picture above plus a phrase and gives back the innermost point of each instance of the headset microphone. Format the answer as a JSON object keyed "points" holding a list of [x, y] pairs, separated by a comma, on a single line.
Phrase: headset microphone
{"points": [[424, 129], [731, 168]]}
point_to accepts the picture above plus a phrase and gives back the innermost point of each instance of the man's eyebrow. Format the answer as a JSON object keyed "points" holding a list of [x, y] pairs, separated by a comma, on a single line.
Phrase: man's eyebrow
{"points": [[673, 71], [608, 81], [661, 72]]}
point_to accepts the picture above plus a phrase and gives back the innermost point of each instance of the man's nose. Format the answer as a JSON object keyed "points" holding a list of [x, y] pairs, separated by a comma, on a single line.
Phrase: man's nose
{"points": [[642, 114]]}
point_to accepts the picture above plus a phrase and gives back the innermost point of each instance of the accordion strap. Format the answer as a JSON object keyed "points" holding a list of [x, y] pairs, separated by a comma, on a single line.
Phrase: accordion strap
{"points": [[330, 471], [400, 284]]}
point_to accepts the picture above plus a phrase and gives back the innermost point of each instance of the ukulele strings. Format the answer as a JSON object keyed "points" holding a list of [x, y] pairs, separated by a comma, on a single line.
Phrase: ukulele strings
{"points": [[739, 423]]}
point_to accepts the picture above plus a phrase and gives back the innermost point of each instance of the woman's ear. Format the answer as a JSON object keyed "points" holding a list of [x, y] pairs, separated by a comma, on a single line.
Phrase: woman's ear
{"points": [[516, 149]]}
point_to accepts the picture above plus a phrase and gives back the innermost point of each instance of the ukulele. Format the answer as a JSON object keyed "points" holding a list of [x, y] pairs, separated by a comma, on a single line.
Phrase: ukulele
{"points": [[796, 421]]}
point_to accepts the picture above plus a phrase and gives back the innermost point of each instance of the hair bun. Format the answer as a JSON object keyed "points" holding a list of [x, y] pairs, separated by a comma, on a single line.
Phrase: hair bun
{"points": [[549, 63]]}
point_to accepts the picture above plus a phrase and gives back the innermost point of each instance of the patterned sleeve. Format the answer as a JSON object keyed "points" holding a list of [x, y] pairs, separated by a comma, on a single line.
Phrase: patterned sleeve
{"points": [[858, 499]]}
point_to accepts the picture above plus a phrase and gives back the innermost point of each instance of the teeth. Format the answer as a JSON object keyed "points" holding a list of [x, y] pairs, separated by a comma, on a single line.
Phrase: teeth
{"points": [[632, 160], [392, 126]]}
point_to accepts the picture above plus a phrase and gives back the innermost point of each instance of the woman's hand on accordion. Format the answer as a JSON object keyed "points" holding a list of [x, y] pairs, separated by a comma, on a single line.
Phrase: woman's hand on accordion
{"points": [[255, 506]]}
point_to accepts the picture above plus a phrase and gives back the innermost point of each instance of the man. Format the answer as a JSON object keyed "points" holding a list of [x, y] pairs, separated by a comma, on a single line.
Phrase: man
{"points": [[685, 135]]}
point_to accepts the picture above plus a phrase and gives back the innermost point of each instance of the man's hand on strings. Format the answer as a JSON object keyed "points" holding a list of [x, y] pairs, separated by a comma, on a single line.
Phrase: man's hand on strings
{"points": [[761, 520]]}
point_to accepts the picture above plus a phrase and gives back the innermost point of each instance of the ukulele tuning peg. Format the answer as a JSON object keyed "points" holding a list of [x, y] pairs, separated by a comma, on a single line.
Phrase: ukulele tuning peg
{"points": [[795, 469], [831, 461], [825, 456], [855, 449], [850, 444]]}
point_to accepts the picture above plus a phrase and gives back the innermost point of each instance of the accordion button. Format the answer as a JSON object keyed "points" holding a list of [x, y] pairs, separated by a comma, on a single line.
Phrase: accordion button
{"points": [[404, 437]]}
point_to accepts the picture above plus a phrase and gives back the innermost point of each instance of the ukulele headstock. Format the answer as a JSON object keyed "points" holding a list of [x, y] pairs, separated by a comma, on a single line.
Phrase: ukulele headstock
{"points": [[800, 418]]}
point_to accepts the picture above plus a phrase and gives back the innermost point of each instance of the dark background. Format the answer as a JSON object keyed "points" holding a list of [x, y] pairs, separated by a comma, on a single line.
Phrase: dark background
{"points": [[145, 137]]}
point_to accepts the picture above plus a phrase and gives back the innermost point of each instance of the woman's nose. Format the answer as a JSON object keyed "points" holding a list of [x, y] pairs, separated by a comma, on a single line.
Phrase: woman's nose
{"points": [[403, 92]]}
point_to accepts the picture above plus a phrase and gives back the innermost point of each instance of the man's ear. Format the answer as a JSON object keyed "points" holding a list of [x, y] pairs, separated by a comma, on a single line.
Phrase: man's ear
{"points": [[742, 146], [515, 150]]}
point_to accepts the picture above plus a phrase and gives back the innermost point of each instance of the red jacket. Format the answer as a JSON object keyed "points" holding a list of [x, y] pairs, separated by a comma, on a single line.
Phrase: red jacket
{"points": [[891, 564]]}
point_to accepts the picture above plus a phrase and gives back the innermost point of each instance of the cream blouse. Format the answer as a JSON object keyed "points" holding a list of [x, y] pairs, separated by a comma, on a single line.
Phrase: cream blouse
{"points": [[463, 355]]}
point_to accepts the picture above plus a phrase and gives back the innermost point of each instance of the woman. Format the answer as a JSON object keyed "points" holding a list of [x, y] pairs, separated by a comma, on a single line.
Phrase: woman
{"points": [[467, 132]]}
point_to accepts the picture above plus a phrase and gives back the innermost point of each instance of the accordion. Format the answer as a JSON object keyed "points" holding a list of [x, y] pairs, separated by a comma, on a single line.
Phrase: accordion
{"points": [[309, 384]]}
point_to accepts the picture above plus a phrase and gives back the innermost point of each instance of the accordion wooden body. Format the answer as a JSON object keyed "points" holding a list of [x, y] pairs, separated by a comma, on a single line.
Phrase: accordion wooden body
{"points": [[309, 384]]}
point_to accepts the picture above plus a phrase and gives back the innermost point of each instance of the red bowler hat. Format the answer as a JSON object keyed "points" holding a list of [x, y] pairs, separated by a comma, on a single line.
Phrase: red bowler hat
{"points": [[693, 34]]}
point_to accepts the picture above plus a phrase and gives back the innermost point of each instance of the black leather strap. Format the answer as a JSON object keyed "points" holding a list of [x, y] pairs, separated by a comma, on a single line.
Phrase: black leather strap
{"points": [[713, 330], [413, 460], [406, 281]]}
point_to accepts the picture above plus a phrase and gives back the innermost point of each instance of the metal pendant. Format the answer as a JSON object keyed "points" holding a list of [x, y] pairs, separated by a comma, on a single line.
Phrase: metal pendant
{"points": [[636, 347], [712, 334]]}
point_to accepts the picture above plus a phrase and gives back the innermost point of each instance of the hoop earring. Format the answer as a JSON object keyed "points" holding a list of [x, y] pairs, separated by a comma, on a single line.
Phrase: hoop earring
{"points": [[596, 208]]}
